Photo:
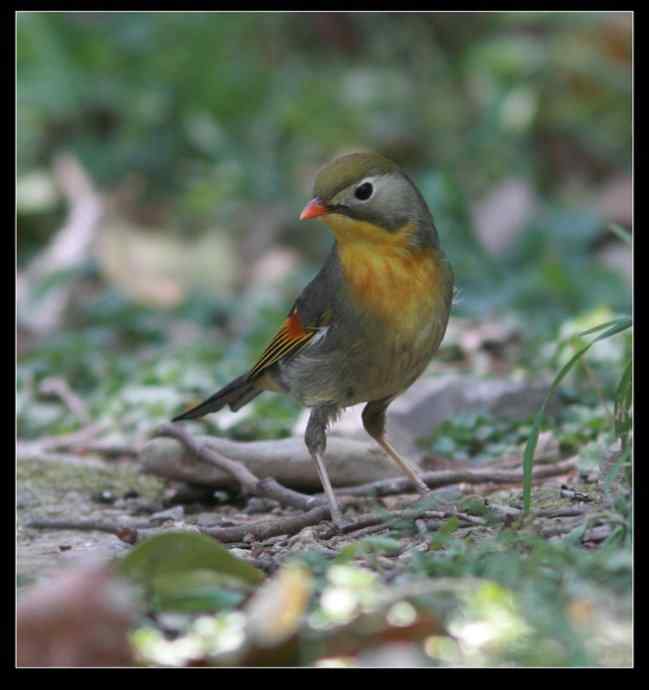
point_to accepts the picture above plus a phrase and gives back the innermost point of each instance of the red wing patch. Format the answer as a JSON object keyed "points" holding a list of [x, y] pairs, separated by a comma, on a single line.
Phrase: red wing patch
{"points": [[290, 338]]}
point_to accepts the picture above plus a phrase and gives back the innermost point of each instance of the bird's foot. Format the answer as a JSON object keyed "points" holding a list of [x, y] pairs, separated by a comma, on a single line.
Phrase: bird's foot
{"points": [[340, 523], [337, 518]]}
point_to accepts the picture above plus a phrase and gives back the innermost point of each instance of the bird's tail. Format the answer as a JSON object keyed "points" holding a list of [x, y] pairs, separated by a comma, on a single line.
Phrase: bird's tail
{"points": [[236, 394]]}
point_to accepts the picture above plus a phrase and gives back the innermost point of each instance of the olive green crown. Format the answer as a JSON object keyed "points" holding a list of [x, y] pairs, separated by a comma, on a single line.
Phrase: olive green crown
{"points": [[346, 170]]}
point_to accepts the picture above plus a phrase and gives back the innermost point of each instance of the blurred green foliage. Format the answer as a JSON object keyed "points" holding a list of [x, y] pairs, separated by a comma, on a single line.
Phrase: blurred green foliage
{"points": [[238, 103], [545, 576], [215, 111], [211, 117]]}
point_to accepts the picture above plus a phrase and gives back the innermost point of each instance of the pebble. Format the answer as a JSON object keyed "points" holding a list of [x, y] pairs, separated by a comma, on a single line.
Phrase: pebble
{"points": [[175, 514]]}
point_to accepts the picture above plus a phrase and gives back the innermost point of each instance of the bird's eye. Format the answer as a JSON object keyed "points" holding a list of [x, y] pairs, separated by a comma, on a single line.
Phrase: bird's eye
{"points": [[364, 191]]}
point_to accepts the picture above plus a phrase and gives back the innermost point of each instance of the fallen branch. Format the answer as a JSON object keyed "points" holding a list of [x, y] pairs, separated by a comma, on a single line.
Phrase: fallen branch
{"points": [[349, 462]]}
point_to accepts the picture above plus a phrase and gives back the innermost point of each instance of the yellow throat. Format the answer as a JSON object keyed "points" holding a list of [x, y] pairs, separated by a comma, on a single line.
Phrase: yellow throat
{"points": [[386, 274]]}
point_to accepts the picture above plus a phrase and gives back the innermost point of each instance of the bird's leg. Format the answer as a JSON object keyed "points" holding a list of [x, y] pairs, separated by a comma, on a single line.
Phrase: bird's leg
{"points": [[374, 423], [316, 441], [336, 514], [403, 464]]}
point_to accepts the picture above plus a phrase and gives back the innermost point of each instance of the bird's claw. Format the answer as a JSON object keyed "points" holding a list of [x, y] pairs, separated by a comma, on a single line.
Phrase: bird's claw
{"points": [[337, 518], [421, 488], [340, 523]]}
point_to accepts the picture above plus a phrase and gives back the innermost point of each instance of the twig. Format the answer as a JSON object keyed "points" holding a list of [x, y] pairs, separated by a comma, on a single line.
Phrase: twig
{"points": [[127, 532], [242, 474], [34, 453], [85, 525], [571, 511], [78, 442], [260, 530], [61, 441], [361, 532], [567, 511], [437, 479], [58, 386], [264, 529], [50, 448], [82, 441], [380, 518], [267, 487], [108, 448]]}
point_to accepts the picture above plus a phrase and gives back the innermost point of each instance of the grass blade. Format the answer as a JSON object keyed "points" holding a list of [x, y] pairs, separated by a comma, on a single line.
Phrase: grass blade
{"points": [[618, 326], [623, 320], [623, 398]]}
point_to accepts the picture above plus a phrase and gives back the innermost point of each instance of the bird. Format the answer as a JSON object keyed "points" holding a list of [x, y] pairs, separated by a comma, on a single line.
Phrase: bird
{"points": [[368, 324]]}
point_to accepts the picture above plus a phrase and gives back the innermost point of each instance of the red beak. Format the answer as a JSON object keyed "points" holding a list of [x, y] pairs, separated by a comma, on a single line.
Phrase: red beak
{"points": [[316, 207]]}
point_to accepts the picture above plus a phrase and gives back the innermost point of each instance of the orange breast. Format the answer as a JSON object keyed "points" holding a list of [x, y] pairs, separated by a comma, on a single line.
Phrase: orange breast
{"points": [[400, 286], [389, 276]]}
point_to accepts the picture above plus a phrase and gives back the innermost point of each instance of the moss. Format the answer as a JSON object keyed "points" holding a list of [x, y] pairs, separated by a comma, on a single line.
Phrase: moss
{"points": [[58, 478]]}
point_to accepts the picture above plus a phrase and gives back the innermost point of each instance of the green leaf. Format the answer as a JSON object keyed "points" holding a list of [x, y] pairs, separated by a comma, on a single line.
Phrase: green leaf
{"points": [[441, 537], [618, 326], [623, 322], [448, 527], [184, 552], [381, 545], [368, 545], [196, 591]]}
